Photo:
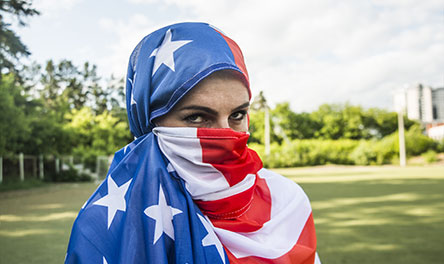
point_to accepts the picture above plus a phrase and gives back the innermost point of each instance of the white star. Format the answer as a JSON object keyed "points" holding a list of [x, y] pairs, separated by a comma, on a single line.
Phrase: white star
{"points": [[104, 261], [115, 199], [132, 89], [84, 205], [163, 215], [211, 238], [164, 54]]}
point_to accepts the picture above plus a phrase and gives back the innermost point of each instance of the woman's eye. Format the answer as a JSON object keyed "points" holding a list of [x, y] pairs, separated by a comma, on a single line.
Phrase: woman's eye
{"points": [[194, 119], [238, 115]]}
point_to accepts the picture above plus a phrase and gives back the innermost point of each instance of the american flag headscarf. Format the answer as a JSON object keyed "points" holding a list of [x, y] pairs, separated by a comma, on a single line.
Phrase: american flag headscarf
{"points": [[189, 195]]}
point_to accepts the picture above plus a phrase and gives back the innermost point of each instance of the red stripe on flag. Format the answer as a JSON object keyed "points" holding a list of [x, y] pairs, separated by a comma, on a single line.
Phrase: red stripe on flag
{"points": [[303, 252], [244, 212], [227, 151], [238, 58]]}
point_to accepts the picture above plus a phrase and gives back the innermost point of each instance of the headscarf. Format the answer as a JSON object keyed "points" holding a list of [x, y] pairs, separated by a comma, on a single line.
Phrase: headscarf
{"points": [[189, 195], [169, 62]]}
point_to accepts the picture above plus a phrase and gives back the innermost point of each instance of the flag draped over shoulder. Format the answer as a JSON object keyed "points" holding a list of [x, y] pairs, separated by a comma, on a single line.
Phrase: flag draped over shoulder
{"points": [[189, 195], [141, 214]]}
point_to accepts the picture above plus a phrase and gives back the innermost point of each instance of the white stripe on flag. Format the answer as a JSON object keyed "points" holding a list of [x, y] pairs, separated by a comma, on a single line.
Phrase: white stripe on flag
{"points": [[289, 214], [244, 185], [185, 154], [317, 260]]}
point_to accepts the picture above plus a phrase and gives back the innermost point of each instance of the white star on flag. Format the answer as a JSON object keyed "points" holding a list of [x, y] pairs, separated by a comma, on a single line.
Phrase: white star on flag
{"points": [[115, 199], [164, 54], [211, 238], [163, 215], [104, 261], [132, 87]]}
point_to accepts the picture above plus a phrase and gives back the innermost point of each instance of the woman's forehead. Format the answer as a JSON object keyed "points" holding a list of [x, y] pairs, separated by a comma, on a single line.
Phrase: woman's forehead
{"points": [[217, 91]]}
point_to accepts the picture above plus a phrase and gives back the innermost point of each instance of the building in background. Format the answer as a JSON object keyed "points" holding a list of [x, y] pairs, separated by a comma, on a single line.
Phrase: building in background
{"points": [[438, 104], [424, 104]]}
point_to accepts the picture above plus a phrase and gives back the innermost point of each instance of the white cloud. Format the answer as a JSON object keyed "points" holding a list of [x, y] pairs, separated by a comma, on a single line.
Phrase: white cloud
{"points": [[312, 52], [52, 7], [128, 34]]}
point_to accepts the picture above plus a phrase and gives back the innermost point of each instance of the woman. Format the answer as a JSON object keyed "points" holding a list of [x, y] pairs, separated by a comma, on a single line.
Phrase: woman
{"points": [[187, 189]]}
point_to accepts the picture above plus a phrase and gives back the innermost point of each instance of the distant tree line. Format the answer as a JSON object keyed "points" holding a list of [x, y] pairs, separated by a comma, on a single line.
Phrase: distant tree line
{"points": [[62, 109], [329, 121], [336, 134]]}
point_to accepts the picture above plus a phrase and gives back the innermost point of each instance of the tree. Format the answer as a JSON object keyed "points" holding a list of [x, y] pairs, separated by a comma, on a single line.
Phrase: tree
{"points": [[11, 47], [13, 124], [96, 135], [382, 123], [330, 118], [294, 125]]}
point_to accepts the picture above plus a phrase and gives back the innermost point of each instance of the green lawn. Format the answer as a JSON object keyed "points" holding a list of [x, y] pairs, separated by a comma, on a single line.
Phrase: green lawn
{"points": [[362, 215], [35, 224], [376, 214]]}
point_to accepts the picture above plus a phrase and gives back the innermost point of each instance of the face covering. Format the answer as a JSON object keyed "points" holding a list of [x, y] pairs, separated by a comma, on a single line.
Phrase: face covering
{"points": [[215, 164]]}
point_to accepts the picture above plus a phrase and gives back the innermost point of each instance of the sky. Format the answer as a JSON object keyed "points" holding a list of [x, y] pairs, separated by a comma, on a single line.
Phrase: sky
{"points": [[306, 53]]}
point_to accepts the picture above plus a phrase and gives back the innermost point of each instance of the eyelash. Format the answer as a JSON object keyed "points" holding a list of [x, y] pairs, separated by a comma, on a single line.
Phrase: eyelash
{"points": [[190, 117], [203, 116], [243, 112]]}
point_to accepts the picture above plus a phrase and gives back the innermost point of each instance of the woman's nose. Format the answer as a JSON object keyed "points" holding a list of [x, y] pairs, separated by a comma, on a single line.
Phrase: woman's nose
{"points": [[222, 123]]}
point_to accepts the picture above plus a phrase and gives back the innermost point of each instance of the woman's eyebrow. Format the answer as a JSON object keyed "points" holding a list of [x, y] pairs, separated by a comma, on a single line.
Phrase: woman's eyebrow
{"points": [[210, 110], [244, 105], [200, 108]]}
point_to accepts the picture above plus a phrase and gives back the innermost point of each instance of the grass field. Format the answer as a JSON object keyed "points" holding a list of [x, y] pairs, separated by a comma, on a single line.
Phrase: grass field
{"points": [[376, 214], [362, 215]]}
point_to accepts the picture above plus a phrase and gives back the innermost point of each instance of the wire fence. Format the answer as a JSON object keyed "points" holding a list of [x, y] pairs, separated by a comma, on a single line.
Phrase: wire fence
{"points": [[22, 167]]}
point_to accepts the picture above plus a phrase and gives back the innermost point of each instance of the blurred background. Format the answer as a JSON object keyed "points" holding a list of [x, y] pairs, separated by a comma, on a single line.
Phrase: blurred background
{"points": [[348, 100]]}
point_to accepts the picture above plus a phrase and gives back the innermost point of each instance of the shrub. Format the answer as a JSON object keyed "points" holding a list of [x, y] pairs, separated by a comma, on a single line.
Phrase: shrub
{"points": [[310, 152], [430, 156], [70, 175], [364, 153], [417, 143], [307, 152]]}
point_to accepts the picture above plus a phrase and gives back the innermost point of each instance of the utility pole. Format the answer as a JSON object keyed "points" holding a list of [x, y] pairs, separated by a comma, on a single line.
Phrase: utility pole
{"points": [[260, 104], [267, 130]]}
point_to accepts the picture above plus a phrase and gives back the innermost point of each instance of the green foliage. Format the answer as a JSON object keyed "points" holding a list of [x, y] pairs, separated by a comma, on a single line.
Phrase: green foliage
{"points": [[293, 125], [257, 128], [335, 133], [58, 120], [311, 152], [13, 123], [21, 185], [417, 142], [11, 47], [346, 121], [440, 146], [48, 135], [96, 135], [70, 175], [307, 153], [364, 154], [375, 152], [330, 121], [430, 156]]}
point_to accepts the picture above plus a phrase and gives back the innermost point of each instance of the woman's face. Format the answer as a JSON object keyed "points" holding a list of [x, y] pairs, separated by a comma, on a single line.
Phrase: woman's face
{"points": [[218, 101]]}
